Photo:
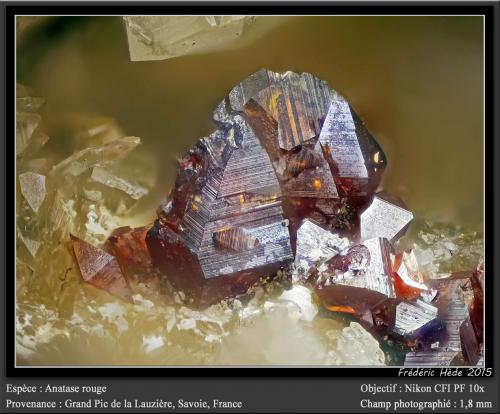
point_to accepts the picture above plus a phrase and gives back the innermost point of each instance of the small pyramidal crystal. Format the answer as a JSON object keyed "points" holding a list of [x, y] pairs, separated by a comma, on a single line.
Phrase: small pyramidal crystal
{"points": [[100, 269]]}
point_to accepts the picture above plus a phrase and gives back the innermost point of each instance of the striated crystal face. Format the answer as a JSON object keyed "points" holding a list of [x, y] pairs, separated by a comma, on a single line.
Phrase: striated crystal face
{"points": [[285, 143], [225, 218], [384, 218]]}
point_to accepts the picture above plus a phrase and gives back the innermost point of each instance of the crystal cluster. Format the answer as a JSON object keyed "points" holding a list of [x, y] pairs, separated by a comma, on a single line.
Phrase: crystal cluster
{"points": [[286, 184], [82, 193]]}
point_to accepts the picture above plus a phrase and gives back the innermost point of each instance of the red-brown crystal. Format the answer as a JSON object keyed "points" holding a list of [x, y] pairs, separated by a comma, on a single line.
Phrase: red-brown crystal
{"points": [[100, 269]]}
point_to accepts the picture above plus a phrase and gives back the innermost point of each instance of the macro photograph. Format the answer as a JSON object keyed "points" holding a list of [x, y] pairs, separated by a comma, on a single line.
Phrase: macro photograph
{"points": [[249, 191]]}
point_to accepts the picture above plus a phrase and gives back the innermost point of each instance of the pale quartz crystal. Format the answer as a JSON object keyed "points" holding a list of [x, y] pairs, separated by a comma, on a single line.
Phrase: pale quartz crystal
{"points": [[56, 198], [26, 123], [164, 37], [28, 136], [87, 158], [33, 189], [356, 346], [31, 245], [301, 297], [151, 343], [410, 317], [102, 176], [93, 130]]}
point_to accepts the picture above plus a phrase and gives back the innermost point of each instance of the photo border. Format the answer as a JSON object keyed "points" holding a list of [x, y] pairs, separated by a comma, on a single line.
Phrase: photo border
{"points": [[491, 185]]}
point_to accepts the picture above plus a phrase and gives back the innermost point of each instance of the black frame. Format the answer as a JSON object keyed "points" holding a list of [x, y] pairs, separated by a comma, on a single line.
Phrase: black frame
{"points": [[491, 12]]}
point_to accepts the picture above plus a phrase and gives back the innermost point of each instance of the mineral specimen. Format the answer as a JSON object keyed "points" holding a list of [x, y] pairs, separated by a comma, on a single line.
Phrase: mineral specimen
{"points": [[242, 192], [225, 228]]}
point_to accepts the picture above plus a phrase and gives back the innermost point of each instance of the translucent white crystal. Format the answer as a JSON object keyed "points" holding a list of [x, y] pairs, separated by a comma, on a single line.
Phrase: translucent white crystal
{"points": [[29, 103], [31, 245], [102, 176], [357, 347], [26, 124], [442, 248], [87, 158], [94, 130], [164, 37], [62, 215], [115, 313], [150, 343], [32, 187], [301, 296], [99, 223]]}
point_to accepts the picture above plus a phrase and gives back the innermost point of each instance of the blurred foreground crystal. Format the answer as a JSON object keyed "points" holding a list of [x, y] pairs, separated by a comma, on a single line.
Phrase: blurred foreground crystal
{"points": [[164, 37], [78, 193], [356, 346]]}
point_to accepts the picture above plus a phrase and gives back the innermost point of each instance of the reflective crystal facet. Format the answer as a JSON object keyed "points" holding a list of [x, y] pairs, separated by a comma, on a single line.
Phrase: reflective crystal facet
{"points": [[384, 219], [314, 246], [412, 317], [359, 278], [408, 281], [452, 312]]}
